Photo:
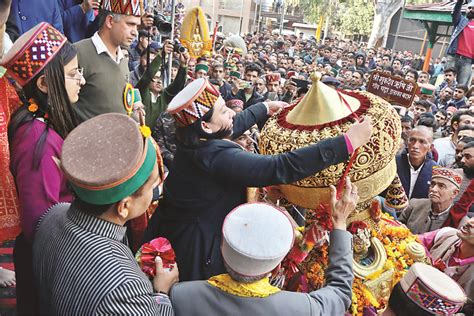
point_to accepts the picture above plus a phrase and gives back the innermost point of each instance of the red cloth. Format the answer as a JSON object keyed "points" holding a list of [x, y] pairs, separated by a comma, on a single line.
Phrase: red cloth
{"points": [[9, 206], [460, 209], [465, 46]]}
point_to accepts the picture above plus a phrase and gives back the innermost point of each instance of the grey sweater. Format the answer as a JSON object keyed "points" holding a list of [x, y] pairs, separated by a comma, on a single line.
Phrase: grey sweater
{"points": [[105, 82], [200, 298]]}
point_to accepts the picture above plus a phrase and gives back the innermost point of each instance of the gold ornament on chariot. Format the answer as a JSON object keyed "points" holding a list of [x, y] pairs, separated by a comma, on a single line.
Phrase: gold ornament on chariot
{"points": [[324, 113], [195, 33]]}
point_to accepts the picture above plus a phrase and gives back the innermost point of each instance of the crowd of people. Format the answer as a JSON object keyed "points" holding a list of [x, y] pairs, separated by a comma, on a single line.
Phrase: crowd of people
{"points": [[104, 149]]}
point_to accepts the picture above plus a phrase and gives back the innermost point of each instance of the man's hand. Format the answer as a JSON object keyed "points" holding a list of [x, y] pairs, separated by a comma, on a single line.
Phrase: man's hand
{"points": [[342, 208], [87, 5], [168, 47], [275, 106], [184, 58], [164, 279], [359, 133], [147, 21]]}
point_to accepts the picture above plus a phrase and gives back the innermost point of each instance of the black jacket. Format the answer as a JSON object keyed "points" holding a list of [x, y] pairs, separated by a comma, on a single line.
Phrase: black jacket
{"points": [[206, 183]]}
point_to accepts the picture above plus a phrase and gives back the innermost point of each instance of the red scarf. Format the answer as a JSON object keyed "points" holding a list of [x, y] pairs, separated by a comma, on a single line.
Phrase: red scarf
{"points": [[460, 209]]}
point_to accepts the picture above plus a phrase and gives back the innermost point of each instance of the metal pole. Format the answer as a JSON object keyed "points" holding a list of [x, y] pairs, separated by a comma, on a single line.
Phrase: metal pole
{"points": [[282, 16], [255, 16], [398, 26], [326, 27], [241, 16], [170, 57]]}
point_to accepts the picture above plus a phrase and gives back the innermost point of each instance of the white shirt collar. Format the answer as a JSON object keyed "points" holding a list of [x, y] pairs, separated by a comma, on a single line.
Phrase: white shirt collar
{"points": [[101, 48], [413, 168]]}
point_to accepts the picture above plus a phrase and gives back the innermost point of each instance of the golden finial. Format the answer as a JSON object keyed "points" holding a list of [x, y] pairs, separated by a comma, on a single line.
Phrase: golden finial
{"points": [[315, 77]]}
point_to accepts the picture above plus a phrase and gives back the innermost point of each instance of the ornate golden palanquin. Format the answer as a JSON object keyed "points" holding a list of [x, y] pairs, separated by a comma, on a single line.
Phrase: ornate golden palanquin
{"points": [[323, 113]]}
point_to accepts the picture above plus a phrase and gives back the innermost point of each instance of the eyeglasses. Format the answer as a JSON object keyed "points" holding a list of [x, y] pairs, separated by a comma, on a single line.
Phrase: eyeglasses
{"points": [[78, 75]]}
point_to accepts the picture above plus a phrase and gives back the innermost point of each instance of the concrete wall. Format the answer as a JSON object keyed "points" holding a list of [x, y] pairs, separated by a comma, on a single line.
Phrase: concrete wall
{"points": [[229, 13]]}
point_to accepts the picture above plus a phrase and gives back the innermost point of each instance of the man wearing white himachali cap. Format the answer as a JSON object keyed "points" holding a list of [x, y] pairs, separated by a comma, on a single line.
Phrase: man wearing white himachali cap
{"points": [[256, 238]]}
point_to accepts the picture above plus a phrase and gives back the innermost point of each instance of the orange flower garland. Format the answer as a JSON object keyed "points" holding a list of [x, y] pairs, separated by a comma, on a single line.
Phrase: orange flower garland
{"points": [[395, 240]]}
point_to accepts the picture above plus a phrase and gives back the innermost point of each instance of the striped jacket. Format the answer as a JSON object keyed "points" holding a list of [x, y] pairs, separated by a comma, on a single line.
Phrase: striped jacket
{"points": [[83, 267]]}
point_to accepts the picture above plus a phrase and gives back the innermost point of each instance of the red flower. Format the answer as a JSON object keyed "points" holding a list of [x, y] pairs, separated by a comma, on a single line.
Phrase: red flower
{"points": [[355, 226], [149, 251], [323, 216]]}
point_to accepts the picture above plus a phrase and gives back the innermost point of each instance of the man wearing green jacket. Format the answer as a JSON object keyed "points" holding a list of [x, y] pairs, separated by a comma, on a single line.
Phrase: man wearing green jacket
{"points": [[156, 103]]}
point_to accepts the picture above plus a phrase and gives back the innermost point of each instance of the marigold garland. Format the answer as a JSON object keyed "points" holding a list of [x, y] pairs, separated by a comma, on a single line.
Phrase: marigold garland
{"points": [[395, 240], [145, 130]]}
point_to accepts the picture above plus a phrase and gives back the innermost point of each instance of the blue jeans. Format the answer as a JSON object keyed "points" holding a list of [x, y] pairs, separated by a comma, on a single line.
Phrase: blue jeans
{"points": [[463, 66]]}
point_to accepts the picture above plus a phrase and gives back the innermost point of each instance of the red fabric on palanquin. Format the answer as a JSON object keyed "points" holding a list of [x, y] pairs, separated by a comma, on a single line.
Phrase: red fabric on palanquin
{"points": [[9, 206]]}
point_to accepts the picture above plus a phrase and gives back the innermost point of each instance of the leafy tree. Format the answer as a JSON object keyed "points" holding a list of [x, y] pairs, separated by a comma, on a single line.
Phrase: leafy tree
{"points": [[356, 17]]}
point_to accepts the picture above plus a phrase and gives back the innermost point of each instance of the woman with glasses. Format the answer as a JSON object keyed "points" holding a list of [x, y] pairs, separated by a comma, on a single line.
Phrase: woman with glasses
{"points": [[45, 65]]}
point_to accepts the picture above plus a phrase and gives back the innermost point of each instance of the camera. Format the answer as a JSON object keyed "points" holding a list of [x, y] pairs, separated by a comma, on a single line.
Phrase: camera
{"points": [[178, 48], [163, 26], [248, 85]]}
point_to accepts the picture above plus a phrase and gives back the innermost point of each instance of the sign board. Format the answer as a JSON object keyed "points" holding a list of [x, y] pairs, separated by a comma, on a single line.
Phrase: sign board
{"points": [[394, 90]]}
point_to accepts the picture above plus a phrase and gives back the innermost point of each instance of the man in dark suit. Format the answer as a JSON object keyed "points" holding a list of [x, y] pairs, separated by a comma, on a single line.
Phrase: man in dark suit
{"points": [[414, 167], [210, 174]]}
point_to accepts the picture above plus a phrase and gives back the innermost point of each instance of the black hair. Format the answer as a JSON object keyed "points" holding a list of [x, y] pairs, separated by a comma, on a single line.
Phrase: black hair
{"points": [[450, 69], [152, 51], [360, 72], [193, 135], [414, 72], [102, 16], [463, 87], [402, 305], [253, 67], [406, 119], [399, 73], [424, 103], [142, 33], [457, 116], [466, 128], [444, 112], [428, 120], [469, 142], [396, 59], [175, 63], [54, 105]]}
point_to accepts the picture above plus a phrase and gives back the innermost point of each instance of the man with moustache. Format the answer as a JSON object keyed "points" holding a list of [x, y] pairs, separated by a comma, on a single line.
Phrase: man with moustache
{"points": [[414, 166], [452, 251], [467, 164], [105, 67], [425, 215]]}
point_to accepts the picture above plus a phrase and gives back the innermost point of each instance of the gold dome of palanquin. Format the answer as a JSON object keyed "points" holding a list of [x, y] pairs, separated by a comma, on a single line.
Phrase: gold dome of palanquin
{"points": [[323, 113]]}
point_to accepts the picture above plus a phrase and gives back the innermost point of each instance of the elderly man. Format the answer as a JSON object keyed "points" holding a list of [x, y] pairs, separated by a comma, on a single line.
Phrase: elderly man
{"points": [[452, 251], [425, 215], [256, 237], [414, 166]]}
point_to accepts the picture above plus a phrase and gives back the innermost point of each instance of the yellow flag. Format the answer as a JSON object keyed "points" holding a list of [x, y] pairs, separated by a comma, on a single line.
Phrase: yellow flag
{"points": [[320, 27]]}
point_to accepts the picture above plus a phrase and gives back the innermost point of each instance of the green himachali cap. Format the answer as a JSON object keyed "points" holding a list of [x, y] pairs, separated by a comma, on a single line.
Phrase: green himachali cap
{"points": [[107, 158]]}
